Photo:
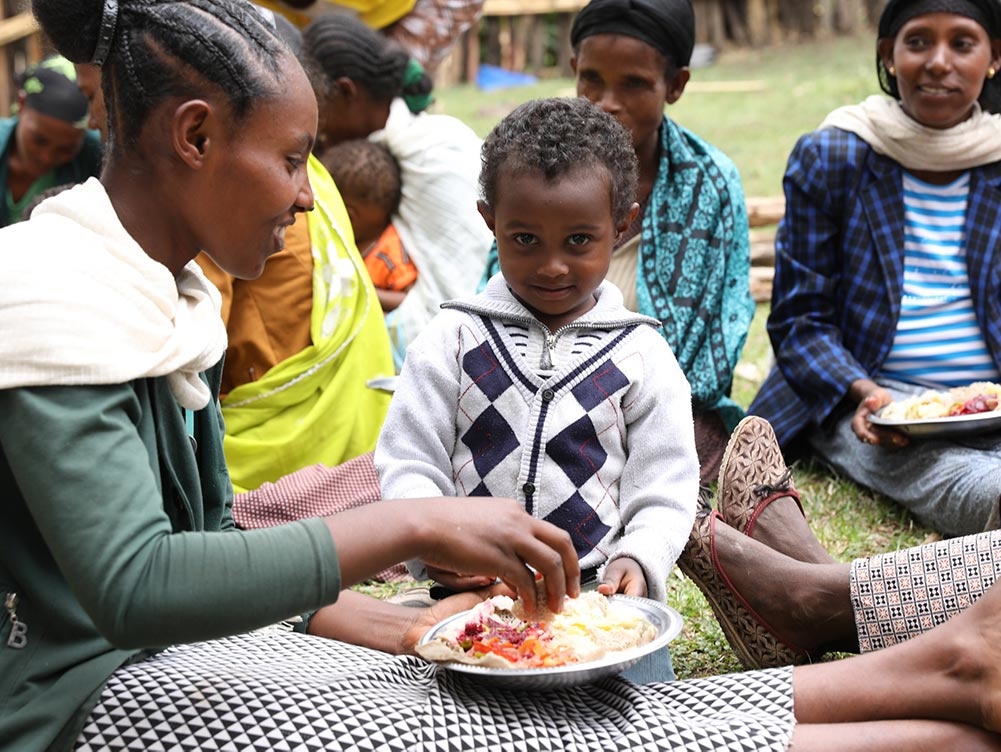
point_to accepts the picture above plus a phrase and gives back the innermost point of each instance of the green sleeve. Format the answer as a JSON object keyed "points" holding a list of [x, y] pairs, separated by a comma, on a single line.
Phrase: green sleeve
{"points": [[82, 462]]}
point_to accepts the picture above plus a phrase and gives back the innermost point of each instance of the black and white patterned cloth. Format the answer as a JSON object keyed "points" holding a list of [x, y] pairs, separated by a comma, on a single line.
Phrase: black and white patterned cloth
{"points": [[285, 691]]}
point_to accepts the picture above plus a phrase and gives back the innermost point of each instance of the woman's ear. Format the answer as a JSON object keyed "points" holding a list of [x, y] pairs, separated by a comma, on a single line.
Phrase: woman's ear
{"points": [[346, 88], [676, 85], [191, 131], [884, 48], [996, 55]]}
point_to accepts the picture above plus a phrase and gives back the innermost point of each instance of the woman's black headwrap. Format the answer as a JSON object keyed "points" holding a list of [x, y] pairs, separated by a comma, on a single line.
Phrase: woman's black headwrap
{"points": [[666, 25], [987, 13], [51, 92]]}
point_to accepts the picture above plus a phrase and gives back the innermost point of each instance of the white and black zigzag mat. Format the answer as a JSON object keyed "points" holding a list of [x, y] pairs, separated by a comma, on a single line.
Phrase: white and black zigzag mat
{"points": [[267, 691]]}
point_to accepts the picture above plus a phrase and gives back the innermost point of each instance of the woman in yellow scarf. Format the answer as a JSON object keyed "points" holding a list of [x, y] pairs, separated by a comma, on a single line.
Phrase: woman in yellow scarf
{"points": [[295, 394]]}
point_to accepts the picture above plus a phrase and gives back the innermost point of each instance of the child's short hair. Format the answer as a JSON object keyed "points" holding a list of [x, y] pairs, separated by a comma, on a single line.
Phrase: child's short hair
{"points": [[556, 136], [365, 170]]}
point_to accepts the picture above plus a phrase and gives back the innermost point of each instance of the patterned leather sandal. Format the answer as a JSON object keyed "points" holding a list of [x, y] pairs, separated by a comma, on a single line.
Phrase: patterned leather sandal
{"points": [[752, 454], [750, 636]]}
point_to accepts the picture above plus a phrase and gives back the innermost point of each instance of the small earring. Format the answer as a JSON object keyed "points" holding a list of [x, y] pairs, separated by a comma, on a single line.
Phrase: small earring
{"points": [[892, 71], [991, 72]]}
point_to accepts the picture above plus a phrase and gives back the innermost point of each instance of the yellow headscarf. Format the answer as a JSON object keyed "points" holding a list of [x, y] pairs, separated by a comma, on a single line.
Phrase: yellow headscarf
{"points": [[314, 407]]}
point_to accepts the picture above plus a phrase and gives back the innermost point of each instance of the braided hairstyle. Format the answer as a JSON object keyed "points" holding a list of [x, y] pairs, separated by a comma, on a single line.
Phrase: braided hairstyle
{"points": [[341, 46], [367, 170], [558, 136], [161, 49]]}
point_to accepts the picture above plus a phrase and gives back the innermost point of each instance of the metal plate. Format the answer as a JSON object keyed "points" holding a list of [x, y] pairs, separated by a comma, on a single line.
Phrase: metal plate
{"points": [[665, 619], [937, 428]]}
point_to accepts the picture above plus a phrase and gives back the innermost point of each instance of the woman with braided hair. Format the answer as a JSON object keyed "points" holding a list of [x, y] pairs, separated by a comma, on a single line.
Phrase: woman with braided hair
{"points": [[130, 600], [117, 538], [368, 87]]}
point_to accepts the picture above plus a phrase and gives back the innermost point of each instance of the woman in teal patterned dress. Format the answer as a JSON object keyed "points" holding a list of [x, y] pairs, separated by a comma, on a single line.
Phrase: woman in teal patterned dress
{"points": [[686, 258]]}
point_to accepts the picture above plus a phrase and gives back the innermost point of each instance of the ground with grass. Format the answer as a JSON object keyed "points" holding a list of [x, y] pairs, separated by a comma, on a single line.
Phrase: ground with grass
{"points": [[779, 95]]}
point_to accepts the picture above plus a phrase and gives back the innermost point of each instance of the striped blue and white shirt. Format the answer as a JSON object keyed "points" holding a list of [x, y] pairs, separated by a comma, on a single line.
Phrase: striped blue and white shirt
{"points": [[938, 339]]}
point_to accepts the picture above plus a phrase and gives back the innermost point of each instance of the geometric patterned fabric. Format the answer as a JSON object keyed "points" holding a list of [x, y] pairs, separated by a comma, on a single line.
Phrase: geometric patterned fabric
{"points": [[904, 593], [282, 691]]}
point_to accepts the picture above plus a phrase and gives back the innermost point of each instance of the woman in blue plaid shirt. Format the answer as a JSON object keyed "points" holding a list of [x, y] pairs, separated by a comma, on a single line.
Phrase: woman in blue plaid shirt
{"points": [[886, 278]]}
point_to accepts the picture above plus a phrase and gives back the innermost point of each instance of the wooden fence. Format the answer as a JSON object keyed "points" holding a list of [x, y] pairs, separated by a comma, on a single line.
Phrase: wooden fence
{"points": [[21, 44], [763, 213], [534, 35]]}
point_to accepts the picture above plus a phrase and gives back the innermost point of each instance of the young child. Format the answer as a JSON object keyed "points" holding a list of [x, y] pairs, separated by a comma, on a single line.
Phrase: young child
{"points": [[368, 177], [544, 387]]}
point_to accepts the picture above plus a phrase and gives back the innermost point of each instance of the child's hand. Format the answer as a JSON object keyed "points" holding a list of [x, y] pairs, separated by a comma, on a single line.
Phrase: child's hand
{"points": [[625, 576], [458, 582]]}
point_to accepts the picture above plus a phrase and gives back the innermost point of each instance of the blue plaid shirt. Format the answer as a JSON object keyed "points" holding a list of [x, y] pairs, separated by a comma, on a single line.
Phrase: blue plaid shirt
{"points": [[839, 270]]}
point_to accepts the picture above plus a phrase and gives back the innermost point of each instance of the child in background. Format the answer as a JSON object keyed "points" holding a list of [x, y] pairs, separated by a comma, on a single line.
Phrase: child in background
{"points": [[544, 387], [368, 178]]}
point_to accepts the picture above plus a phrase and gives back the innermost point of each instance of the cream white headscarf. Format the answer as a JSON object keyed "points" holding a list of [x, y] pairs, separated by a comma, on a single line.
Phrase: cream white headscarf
{"points": [[81, 304], [882, 123]]}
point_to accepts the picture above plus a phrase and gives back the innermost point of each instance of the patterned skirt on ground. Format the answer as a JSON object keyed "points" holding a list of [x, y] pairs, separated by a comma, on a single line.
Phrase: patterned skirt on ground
{"points": [[903, 593], [275, 691]]}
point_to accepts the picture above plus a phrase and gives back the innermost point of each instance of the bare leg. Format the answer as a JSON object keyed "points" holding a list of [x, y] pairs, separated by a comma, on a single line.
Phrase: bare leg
{"points": [[808, 605], [892, 736], [781, 526], [951, 673]]}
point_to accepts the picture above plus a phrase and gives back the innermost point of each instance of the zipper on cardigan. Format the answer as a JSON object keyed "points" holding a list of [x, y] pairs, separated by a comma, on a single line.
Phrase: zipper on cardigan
{"points": [[18, 637], [546, 360]]}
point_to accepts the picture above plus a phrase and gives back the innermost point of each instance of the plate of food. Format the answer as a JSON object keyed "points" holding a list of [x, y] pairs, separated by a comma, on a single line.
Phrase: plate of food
{"points": [[959, 411], [593, 637]]}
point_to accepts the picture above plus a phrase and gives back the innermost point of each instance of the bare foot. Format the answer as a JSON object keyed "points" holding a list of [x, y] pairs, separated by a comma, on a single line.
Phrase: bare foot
{"points": [[976, 635], [807, 605]]}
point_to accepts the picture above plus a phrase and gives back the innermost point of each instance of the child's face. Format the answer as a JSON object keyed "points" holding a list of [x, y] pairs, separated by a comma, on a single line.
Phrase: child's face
{"points": [[554, 239]]}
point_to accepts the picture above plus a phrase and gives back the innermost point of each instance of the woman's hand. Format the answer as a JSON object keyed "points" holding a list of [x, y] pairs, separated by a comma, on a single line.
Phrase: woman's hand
{"points": [[392, 628], [424, 618], [497, 538], [624, 575], [483, 538], [872, 398]]}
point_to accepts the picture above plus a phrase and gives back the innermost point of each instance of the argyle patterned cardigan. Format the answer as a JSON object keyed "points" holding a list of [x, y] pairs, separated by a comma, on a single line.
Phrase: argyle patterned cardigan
{"points": [[601, 443]]}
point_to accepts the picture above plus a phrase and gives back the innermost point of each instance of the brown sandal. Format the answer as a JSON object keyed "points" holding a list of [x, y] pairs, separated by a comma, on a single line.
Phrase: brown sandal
{"points": [[751, 637], [752, 453]]}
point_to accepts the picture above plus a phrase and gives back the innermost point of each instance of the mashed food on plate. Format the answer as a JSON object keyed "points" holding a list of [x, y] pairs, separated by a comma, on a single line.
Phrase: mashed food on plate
{"points": [[499, 634], [979, 397]]}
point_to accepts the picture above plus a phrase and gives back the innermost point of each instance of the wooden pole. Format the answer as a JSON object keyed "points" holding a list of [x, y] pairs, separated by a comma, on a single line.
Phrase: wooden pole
{"points": [[6, 69]]}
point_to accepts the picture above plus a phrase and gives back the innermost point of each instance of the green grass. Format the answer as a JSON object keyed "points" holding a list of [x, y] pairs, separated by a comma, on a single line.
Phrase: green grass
{"points": [[799, 85]]}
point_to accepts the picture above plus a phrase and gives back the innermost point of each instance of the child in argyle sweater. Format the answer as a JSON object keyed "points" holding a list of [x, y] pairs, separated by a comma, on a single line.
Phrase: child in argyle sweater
{"points": [[544, 387]]}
